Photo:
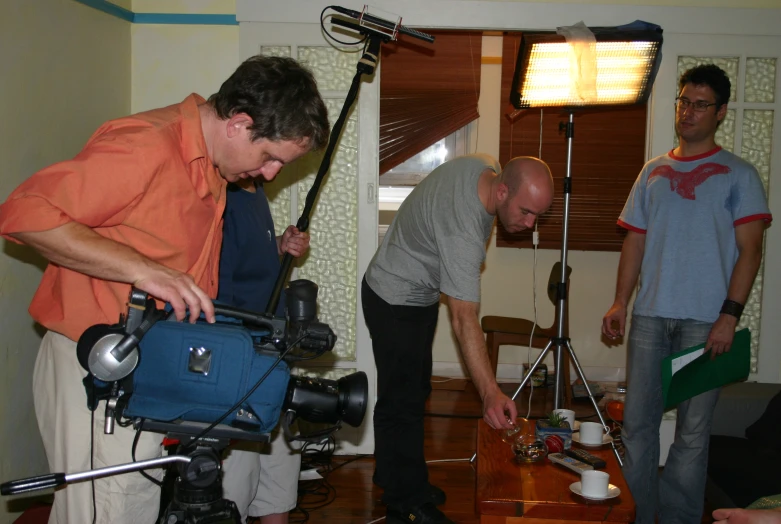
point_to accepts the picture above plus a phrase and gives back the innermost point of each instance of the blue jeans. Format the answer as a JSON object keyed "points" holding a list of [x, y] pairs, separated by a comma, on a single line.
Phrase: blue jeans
{"points": [[678, 494]]}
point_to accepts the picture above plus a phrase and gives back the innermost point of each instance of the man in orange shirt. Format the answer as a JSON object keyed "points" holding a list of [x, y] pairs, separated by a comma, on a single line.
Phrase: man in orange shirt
{"points": [[142, 205]]}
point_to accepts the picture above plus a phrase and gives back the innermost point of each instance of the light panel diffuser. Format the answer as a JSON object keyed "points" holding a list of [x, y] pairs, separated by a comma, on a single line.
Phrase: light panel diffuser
{"points": [[618, 69]]}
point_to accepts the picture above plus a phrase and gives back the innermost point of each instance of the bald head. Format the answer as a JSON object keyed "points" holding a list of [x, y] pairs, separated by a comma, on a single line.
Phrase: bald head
{"points": [[524, 191], [523, 170]]}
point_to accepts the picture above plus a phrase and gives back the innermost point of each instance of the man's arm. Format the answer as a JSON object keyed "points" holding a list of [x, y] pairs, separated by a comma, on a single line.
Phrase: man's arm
{"points": [[628, 272], [749, 240], [77, 247], [497, 406]]}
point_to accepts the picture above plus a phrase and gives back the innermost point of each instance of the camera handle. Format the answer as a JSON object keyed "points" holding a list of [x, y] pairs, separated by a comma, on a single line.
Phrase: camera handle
{"points": [[197, 492], [58, 479]]}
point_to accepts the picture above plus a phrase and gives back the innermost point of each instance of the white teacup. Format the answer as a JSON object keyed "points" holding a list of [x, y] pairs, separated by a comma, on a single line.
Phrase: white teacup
{"points": [[568, 415], [591, 433], [594, 483]]}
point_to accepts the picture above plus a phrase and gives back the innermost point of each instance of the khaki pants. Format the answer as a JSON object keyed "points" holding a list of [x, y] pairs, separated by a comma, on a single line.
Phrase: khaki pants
{"points": [[64, 422], [262, 479]]}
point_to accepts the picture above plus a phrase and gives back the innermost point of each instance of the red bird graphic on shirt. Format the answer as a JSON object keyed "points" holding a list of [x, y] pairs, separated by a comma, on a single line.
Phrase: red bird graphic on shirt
{"points": [[684, 183]]}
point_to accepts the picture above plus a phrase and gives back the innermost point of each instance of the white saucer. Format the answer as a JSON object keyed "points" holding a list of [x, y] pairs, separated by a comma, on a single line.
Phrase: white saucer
{"points": [[606, 439], [612, 492]]}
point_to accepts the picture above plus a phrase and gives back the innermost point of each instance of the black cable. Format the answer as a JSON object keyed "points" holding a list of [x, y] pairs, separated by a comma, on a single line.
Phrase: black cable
{"points": [[318, 493], [332, 37], [133, 456], [92, 455]]}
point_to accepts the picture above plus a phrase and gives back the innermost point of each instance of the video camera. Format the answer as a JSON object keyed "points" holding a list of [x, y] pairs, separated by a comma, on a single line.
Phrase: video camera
{"points": [[231, 377]]}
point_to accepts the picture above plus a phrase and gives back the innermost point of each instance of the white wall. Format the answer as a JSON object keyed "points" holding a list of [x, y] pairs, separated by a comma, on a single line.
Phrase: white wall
{"points": [[172, 61], [65, 69]]}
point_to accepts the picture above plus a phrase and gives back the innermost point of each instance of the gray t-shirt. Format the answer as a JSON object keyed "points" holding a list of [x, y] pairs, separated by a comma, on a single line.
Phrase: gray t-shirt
{"points": [[688, 209], [437, 241]]}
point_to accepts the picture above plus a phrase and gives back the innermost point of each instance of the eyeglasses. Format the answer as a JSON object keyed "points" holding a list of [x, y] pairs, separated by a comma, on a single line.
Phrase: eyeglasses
{"points": [[700, 106]]}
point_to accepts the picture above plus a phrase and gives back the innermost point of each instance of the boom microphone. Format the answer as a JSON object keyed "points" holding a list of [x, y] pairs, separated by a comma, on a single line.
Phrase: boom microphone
{"points": [[382, 23]]}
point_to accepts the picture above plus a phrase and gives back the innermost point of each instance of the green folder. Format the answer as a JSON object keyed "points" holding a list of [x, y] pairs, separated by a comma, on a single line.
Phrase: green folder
{"points": [[685, 374]]}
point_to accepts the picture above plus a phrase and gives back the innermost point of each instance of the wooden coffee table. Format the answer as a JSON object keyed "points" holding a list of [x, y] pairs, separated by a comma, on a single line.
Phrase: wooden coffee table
{"points": [[538, 493]]}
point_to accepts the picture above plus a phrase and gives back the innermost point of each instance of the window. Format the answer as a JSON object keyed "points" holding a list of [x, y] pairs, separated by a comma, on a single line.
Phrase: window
{"points": [[427, 93], [398, 182]]}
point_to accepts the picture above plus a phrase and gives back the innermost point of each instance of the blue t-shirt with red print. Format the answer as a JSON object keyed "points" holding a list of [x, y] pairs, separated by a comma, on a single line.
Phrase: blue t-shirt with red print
{"points": [[688, 209]]}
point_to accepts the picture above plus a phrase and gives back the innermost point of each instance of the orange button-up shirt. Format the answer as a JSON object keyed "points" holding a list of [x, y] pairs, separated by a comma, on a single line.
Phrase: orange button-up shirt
{"points": [[145, 181]]}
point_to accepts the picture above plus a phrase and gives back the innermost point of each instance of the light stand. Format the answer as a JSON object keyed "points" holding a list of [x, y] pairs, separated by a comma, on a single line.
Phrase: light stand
{"points": [[581, 67], [560, 341]]}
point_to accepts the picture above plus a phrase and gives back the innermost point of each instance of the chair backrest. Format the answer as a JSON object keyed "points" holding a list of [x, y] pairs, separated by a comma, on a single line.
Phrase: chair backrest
{"points": [[553, 283], [554, 279]]}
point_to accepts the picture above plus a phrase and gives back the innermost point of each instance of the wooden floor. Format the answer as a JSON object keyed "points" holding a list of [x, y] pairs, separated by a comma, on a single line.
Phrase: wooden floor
{"points": [[451, 434]]}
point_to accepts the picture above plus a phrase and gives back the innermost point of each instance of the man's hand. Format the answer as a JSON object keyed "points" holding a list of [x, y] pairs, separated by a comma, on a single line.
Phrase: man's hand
{"points": [[293, 241], [617, 314], [499, 410], [747, 516], [721, 335], [178, 289]]}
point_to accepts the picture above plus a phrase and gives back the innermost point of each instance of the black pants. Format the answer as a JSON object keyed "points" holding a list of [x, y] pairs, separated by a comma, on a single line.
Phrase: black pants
{"points": [[402, 337]]}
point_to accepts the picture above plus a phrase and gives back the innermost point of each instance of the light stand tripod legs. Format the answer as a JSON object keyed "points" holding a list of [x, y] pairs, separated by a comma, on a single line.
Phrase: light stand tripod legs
{"points": [[533, 369], [582, 376]]}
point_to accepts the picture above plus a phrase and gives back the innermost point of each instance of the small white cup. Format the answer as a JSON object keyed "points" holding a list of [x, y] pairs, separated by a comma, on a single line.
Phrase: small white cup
{"points": [[594, 483], [591, 433], [568, 414]]}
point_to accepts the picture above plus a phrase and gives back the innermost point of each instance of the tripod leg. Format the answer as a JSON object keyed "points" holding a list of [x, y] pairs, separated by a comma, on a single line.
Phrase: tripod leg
{"points": [[525, 379], [532, 369], [593, 401]]}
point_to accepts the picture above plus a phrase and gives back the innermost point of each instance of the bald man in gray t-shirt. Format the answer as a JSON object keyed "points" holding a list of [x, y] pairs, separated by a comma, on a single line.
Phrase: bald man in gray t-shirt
{"points": [[436, 247]]}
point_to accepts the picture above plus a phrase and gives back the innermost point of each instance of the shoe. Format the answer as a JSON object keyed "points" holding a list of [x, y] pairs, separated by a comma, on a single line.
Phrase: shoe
{"points": [[426, 513], [437, 496]]}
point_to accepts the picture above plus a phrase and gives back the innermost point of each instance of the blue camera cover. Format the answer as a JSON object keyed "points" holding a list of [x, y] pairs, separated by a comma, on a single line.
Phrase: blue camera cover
{"points": [[196, 372]]}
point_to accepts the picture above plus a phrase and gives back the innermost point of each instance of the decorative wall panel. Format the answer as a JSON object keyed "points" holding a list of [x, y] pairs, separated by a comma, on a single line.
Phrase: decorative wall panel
{"points": [[760, 80], [333, 68], [757, 137], [332, 259]]}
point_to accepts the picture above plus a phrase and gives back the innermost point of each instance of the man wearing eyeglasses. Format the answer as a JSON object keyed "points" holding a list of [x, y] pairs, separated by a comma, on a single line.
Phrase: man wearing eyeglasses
{"points": [[695, 220]]}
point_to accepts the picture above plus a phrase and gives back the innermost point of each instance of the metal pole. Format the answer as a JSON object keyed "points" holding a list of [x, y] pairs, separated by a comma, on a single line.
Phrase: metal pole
{"points": [[561, 291]]}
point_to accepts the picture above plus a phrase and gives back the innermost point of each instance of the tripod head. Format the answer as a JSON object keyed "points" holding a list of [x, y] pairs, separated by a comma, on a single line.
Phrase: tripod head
{"points": [[197, 496]]}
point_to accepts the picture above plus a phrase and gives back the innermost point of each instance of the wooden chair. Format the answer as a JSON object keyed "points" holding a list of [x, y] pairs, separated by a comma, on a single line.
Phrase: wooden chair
{"points": [[513, 331]]}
